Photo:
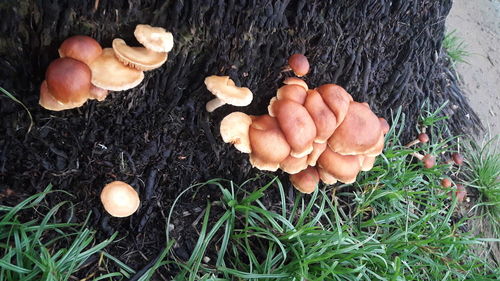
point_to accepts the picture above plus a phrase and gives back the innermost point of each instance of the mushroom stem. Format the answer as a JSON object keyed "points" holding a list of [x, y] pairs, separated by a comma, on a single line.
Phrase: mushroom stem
{"points": [[422, 138], [412, 143], [214, 104], [417, 155]]}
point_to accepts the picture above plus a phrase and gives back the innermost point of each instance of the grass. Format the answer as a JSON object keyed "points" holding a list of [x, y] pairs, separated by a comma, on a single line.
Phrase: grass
{"points": [[31, 250], [399, 224], [12, 97], [482, 172], [455, 47]]}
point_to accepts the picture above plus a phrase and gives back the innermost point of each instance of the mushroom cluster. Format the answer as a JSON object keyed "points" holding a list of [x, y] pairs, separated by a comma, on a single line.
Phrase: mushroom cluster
{"points": [[312, 134], [87, 71]]}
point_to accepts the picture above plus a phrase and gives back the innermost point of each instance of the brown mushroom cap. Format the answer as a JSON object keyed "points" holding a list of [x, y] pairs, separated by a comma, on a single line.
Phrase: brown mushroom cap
{"points": [[48, 101], [139, 58], [337, 100], [299, 64], [296, 81], [234, 129], [82, 48], [119, 199], [226, 92], [156, 39], [110, 74], [318, 149], [297, 126], [323, 117], [359, 132], [268, 143], [293, 165], [68, 80], [345, 168], [457, 158], [306, 180]]}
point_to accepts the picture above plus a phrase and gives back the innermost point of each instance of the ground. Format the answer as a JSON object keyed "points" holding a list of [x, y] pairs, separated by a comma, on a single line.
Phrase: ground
{"points": [[477, 23]]}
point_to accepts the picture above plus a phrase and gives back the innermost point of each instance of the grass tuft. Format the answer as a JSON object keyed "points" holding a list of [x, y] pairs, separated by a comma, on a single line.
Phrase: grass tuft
{"points": [[456, 48]]}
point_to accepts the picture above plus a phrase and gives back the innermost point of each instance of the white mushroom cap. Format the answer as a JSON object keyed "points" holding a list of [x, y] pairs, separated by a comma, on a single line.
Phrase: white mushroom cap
{"points": [[119, 199], [154, 38], [234, 129], [226, 92], [138, 57]]}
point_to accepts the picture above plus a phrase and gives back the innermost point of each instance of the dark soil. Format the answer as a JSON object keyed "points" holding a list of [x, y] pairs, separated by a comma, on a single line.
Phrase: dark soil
{"points": [[158, 136]]}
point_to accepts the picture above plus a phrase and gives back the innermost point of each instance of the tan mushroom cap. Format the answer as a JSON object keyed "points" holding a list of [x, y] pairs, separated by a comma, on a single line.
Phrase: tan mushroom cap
{"points": [[226, 92], [80, 47], [367, 162], [299, 64], [359, 132], [119, 199], [234, 128], [268, 143], [139, 58], [337, 100], [318, 149], [384, 125], [296, 81], [156, 39], [292, 92], [293, 165], [97, 93], [297, 126], [344, 168], [323, 117], [110, 74], [306, 180]]}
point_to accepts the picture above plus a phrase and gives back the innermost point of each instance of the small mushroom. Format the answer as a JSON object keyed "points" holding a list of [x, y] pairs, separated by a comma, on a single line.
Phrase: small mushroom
{"points": [[139, 58], [80, 47], [306, 180], [119, 199], [461, 193], [156, 39], [110, 74], [457, 158], [428, 160], [299, 64], [422, 138], [226, 92], [296, 81], [234, 129], [446, 183]]}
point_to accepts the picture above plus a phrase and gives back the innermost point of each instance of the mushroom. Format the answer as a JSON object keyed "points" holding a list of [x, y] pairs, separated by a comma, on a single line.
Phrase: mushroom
{"points": [[156, 39], [67, 84], [422, 138], [446, 182], [428, 160], [293, 165], [297, 126], [457, 158], [80, 47], [119, 199], [326, 177], [344, 168], [234, 129], [296, 81], [367, 163], [299, 64], [139, 58], [110, 74], [384, 125], [337, 99], [359, 132], [323, 117], [226, 92], [268, 143], [318, 149], [306, 180], [461, 193]]}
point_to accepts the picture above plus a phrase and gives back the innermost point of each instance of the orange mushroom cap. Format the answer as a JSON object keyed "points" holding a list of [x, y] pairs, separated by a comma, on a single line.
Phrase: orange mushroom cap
{"points": [[268, 143], [234, 128], [299, 64], [318, 149], [358, 133], [80, 47], [306, 180], [293, 165], [323, 117], [326, 177], [345, 168], [337, 100], [297, 126], [296, 81], [139, 58]]}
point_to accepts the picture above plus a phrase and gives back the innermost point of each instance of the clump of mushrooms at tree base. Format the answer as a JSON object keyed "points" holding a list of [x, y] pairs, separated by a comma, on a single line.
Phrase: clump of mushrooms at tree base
{"points": [[311, 134], [87, 71]]}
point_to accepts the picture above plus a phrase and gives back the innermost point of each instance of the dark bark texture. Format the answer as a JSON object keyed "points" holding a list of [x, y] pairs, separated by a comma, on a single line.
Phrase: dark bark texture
{"points": [[158, 136]]}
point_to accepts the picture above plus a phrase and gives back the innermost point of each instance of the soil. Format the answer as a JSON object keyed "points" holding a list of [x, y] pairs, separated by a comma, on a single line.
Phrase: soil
{"points": [[158, 136]]}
